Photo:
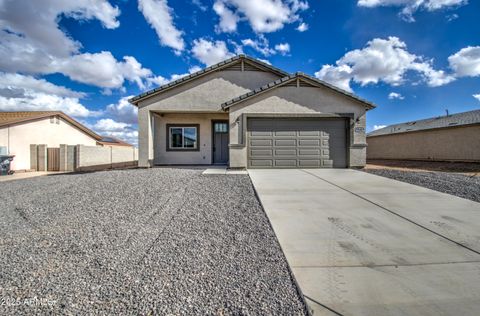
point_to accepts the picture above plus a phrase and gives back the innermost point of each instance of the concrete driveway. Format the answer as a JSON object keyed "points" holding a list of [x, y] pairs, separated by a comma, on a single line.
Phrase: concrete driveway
{"points": [[360, 244]]}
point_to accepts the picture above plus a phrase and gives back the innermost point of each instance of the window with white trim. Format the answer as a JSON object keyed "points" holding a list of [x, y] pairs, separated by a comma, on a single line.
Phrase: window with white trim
{"points": [[183, 137]]}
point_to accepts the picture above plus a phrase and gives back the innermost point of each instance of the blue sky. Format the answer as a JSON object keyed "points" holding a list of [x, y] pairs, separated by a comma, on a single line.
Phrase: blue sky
{"points": [[413, 58]]}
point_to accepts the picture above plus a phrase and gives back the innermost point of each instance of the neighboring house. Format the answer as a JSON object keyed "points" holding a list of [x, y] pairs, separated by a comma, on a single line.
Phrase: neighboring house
{"points": [[18, 130], [246, 113], [453, 137]]}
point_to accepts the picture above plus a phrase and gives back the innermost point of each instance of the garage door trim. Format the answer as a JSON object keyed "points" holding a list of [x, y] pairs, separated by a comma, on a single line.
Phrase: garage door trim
{"points": [[316, 153]]}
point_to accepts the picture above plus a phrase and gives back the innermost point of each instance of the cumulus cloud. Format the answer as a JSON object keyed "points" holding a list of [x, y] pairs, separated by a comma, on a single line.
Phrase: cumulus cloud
{"points": [[302, 27], [123, 111], [26, 93], [264, 16], [382, 60], [409, 7], [102, 69], [283, 48], [160, 80], [33, 43], [375, 127], [160, 16], [121, 130], [261, 45], [395, 95], [210, 52], [477, 96], [466, 62]]}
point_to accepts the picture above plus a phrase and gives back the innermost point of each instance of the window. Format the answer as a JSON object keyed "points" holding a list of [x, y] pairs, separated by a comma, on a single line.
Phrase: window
{"points": [[183, 137]]}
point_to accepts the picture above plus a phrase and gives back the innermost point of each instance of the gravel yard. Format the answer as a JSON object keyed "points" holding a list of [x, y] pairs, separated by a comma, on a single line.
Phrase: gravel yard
{"points": [[461, 185], [158, 241]]}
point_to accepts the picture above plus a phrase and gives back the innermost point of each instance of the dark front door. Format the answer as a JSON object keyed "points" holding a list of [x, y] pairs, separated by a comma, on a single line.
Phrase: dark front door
{"points": [[220, 142]]}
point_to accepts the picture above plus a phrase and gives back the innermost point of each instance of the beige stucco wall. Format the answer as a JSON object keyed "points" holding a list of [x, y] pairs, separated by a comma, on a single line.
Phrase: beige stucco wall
{"points": [[456, 144], [203, 156], [202, 95], [298, 100], [42, 131]]}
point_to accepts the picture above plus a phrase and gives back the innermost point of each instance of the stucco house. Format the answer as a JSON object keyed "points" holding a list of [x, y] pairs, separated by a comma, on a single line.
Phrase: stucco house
{"points": [[453, 137], [248, 114], [19, 130]]}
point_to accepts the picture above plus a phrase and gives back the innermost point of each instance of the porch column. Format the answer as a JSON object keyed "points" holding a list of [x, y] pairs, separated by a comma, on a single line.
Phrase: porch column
{"points": [[145, 138]]}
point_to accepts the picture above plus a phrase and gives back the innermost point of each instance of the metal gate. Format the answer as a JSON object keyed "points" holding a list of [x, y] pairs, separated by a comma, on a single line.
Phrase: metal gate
{"points": [[53, 159]]}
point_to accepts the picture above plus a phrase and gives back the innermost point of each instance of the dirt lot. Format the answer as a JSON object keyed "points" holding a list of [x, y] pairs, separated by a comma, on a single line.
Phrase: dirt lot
{"points": [[459, 179]]}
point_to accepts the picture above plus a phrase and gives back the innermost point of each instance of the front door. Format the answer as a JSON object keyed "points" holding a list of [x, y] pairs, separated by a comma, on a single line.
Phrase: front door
{"points": [[220, 142]]}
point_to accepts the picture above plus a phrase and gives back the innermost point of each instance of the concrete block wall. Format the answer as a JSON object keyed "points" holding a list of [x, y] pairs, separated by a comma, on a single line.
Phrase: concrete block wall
{"points": [[89, 158], [33, 157], [41, 157]]}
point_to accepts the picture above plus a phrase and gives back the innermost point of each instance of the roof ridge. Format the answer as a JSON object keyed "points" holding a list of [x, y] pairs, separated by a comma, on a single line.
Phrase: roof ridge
{"points": [[297, 74], [202, 71]]}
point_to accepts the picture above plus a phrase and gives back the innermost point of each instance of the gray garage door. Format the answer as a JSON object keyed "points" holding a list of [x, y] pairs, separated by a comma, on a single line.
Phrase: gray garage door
{"points": [[297, 143]]}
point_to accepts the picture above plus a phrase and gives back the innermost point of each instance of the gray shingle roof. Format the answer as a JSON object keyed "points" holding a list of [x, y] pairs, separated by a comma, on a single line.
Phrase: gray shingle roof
{"points": [[221, 64], [459, 119], [283, 80]]}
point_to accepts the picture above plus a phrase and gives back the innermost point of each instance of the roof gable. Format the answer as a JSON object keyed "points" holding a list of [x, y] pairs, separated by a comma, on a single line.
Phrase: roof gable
{"points": [[298, 80], [237, 63]]}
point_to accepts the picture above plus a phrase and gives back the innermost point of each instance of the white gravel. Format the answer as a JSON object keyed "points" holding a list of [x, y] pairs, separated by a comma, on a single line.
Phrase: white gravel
{"points": [[159, 241], [464, 186]]}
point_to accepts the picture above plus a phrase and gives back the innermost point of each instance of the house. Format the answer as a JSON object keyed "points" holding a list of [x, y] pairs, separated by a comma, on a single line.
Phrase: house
{"points": [[248, 114], [454, 137], [19, 130]]}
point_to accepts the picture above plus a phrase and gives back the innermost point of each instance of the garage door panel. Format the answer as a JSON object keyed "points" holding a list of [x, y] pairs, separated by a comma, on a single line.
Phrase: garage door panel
{"points": [[297, 143], [285, 142], [308, 142], [309, 163], [285, 133], [261, 152], [309, 133], [286, 152], [261, 142], [286, 163], [261, 163]]}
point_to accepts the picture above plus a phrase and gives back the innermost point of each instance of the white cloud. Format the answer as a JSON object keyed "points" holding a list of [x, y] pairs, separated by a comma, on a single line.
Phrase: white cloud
{"points": [[264, 16], [17, 83], [123, 111], [33, 43], [385, 60], [261, 45], [395, 95], [159, 15], [375, 127], [228, 19], [302, 27], [409, 7], [26, 93], [200, 5], [283, 48], [102, 70], [466, 62], [109, 127], [477, 96], [160, 81], [209, 52]]}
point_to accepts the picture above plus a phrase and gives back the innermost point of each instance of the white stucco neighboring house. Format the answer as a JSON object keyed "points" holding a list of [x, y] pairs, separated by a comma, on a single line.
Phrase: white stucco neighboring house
{"points": [[247, 114], [19, 130]]}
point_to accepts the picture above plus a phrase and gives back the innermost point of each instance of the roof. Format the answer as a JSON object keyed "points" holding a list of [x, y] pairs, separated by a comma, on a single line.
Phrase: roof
{"points": [[11, 118], [113, 141], [205, 71], [290, 78], [453, 120]]}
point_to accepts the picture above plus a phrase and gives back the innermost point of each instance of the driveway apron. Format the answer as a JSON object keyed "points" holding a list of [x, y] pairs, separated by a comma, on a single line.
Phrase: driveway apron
{"points": [[360, 244]]}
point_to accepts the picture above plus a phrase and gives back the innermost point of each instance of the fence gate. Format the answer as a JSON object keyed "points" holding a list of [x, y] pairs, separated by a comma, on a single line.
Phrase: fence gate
{"points": [[53, 159]]}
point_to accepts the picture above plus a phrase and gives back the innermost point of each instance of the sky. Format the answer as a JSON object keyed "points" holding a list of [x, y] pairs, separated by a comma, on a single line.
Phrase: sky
{"points": [[413, 58]]}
